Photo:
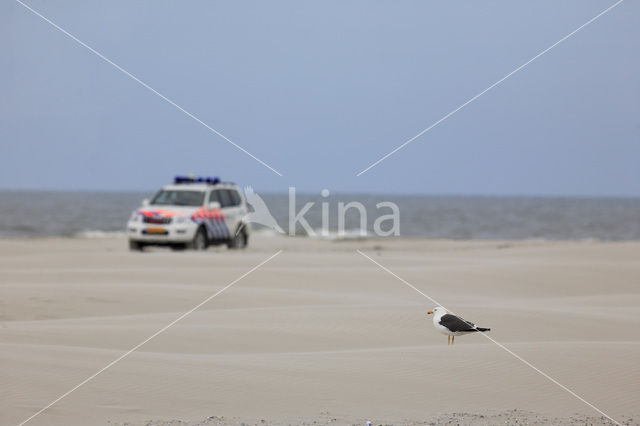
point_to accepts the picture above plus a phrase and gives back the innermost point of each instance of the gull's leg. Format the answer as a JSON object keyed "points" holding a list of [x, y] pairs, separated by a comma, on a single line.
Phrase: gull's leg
{"points": [[448, 340], [452, 337]]}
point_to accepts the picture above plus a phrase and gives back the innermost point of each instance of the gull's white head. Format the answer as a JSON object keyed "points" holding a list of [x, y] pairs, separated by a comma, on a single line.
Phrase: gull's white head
{"points": [[437, 310]]}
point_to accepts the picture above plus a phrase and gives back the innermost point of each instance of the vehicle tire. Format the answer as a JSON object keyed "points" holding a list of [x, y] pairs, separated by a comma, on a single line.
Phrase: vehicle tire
{"points": [[136, 246], [200, 241], [239, 241]]}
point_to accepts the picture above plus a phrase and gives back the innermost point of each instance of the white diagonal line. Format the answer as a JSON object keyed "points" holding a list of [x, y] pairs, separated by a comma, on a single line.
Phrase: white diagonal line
{"points": [[489, 88], [146, 86], [112, 363], [518, 357]]}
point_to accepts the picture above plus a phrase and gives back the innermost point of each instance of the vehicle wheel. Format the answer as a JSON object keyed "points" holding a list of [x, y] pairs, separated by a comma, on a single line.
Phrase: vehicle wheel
{"points": [[135, 246], [199, 240], [239, 240]]}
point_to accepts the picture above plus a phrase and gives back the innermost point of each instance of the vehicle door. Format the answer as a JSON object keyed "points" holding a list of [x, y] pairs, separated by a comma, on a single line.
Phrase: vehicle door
{"points": [[217, 228], [231, 208]]}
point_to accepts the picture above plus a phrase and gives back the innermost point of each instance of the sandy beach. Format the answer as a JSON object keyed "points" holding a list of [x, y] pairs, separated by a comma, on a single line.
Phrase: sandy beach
{"points": [[319, 333]]}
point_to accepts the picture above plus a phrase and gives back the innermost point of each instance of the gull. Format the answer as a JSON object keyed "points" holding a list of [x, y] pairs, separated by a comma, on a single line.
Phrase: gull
{"points": [[452, 325]]}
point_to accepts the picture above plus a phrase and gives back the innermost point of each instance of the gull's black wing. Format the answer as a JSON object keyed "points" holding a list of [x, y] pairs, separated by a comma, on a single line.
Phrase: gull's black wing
{"points": [[455, 323]]}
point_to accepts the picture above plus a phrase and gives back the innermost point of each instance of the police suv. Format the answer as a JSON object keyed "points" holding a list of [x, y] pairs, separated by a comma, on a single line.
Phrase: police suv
{"points": [[192, 213]]}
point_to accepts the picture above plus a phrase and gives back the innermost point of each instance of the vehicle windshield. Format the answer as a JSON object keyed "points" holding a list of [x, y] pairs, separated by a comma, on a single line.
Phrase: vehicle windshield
{"points": [[178, 198]]}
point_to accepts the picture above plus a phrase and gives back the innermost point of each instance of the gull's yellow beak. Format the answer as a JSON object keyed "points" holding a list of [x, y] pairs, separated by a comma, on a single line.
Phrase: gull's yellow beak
{"points": [[429, 313]]}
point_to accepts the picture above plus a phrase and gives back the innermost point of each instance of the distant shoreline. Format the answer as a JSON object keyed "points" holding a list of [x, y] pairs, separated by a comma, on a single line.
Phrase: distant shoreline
{"points": [[314, 193], [28, 214]]}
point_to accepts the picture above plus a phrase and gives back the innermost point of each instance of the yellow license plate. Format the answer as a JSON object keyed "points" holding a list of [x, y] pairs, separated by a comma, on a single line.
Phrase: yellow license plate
{"points": [[156, 231]]}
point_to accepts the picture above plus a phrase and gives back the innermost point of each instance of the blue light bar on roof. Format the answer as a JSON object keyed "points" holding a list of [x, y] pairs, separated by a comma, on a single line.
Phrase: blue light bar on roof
{"points": [[193, 179]]}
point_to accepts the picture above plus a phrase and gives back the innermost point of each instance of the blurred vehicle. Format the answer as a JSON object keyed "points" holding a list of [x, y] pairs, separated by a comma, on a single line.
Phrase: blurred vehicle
{"points": [[192, 213]]}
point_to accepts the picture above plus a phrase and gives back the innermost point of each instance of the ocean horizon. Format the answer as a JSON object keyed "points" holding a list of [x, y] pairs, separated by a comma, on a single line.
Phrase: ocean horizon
{"points": [[96, 214]]}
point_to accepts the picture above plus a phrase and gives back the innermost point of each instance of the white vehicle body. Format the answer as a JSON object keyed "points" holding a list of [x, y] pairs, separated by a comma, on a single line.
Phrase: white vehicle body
{"points": [[191, 214]]}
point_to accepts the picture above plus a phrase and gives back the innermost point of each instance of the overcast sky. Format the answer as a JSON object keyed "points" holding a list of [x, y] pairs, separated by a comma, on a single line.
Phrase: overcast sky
{"points": [[321, 90]]}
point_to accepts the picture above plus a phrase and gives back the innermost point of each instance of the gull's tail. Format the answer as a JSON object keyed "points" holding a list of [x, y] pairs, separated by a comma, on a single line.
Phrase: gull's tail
{"points": [[483, 329]]}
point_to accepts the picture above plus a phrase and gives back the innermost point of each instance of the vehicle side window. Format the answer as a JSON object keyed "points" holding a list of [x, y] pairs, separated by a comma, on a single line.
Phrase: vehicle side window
{"points": [[215, 196], [235, 197], [225, 198]]}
